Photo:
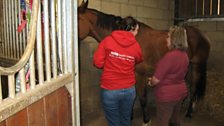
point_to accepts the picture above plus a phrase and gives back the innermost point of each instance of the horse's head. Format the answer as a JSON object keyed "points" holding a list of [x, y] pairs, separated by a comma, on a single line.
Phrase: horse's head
{"points": [[94, 23], [87, 22], [84, 24]]}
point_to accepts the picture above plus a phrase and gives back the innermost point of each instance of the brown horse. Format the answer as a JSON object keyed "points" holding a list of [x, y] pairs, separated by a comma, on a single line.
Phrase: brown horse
{"points": [[153, 43]]}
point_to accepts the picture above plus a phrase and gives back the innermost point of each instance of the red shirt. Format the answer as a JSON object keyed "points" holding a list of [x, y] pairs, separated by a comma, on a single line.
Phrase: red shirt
{"points": [[117, 55], [171, 71]]}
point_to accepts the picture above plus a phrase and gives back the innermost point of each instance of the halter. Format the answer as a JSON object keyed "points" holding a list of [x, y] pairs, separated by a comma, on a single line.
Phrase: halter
{"points": [[92, 30]]}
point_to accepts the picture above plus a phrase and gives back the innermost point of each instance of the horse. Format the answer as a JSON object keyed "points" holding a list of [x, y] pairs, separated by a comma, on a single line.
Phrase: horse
{"points": [[98, 25]]}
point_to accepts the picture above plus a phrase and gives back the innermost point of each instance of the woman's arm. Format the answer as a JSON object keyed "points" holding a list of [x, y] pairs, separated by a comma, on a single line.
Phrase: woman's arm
{"points": [[99, 56]]}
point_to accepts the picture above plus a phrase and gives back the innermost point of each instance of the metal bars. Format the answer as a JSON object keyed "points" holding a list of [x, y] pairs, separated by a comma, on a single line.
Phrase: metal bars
{"points": [[56, 26], [13, 43], [201, 10]]}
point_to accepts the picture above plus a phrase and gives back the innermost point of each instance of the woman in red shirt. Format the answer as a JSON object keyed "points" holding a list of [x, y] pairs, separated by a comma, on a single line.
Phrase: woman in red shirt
{"points": [[169, 79], [117, 55]]}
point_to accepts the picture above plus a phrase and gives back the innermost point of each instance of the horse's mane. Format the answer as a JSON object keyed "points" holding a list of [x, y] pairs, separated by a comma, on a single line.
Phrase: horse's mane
{"points": [[107, 21]]}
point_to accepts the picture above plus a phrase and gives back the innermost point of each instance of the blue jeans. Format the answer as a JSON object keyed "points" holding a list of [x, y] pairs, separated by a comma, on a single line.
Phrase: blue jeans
{"points": [[117, 105]]}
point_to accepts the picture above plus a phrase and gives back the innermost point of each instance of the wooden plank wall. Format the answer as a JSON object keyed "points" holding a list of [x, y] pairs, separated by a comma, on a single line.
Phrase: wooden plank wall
{"points": [[52, 110]]}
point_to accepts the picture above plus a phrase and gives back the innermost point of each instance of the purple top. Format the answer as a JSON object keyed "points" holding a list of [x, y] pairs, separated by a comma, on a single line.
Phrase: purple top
{"points": [[171, 70]]}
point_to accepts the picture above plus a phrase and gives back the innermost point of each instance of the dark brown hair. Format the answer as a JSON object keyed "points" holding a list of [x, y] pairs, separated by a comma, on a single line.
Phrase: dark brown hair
{"points": [[127, 24]]}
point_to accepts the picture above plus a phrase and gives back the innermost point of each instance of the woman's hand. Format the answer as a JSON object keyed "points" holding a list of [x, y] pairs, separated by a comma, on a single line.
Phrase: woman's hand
{"points": [[150, 82], [153, 81]]}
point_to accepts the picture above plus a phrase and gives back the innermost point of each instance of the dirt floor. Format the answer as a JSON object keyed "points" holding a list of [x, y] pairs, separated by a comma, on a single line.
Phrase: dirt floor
{"points": [[198, 119], [213, 102]]}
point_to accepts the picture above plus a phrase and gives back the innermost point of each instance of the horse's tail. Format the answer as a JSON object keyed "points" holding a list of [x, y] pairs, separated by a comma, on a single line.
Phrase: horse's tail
{"points": [[198, 66], [197, 90], [201, 84]]}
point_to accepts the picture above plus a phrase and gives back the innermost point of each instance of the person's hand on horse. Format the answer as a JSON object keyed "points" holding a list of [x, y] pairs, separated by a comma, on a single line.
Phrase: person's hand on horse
{"points": [[150, 82], [153, 81]]}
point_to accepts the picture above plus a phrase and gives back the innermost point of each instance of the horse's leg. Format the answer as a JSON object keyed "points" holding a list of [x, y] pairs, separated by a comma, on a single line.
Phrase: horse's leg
{"points": [[190, 106], [197, 85], [142, 91], [194, 77], [147, 110]]}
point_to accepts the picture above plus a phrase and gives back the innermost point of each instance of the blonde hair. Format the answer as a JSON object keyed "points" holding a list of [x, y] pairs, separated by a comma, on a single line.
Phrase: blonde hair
{"points": [[178, 38]]}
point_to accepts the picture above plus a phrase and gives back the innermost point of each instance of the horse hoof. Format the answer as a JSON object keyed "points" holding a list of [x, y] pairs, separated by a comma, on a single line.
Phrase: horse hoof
{"points": [[144, 124], [146, 119], [188, 115], [147, 124]]}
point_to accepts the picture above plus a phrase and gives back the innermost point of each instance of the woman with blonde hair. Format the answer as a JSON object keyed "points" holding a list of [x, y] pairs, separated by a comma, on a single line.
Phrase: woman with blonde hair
{"points": [[168, 79]]}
